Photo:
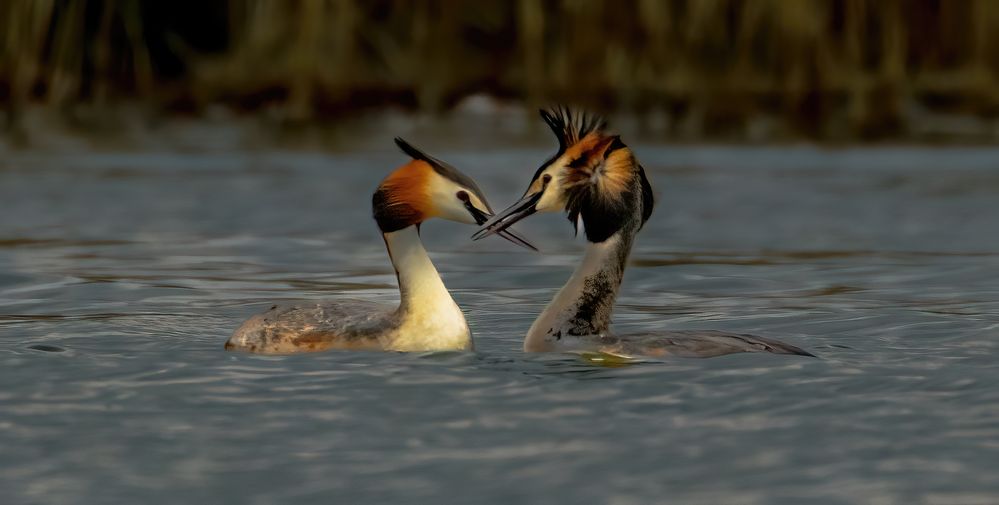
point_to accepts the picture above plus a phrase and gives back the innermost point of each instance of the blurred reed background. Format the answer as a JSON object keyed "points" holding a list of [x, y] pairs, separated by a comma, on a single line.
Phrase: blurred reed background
{"points": [[689, 69]]}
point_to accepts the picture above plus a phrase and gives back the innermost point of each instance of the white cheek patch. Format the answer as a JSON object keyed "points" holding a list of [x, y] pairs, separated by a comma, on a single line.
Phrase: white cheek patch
{"points": [[444, 195], [552, 200]]}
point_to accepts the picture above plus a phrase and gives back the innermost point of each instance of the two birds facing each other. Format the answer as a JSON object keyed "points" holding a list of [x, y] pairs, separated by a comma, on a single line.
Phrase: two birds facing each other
{"points": [[594, 177]]}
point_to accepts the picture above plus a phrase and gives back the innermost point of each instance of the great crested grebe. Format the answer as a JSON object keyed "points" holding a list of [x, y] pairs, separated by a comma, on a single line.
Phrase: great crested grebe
{"points": [[427, 318], [596, 179]]}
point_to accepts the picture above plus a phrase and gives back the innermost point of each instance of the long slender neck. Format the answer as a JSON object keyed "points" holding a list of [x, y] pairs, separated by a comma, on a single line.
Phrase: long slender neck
{"points": [[429, 317], [419, 282], [584, 305]]}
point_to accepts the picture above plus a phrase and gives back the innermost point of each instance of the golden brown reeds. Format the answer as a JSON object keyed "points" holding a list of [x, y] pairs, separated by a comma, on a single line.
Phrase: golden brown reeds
{"points": [[822, 68]]}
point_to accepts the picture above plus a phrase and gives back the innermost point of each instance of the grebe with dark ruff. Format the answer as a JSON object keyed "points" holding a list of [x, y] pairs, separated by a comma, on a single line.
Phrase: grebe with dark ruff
{"points": [[597, 181]]}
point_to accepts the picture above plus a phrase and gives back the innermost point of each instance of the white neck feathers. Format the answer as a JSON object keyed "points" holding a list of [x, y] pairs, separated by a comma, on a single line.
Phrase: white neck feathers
{"points": [[429, 318]]}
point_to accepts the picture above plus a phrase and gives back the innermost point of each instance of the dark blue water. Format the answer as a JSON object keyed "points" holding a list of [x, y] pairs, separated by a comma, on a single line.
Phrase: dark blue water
{"points": [[122, 274]]}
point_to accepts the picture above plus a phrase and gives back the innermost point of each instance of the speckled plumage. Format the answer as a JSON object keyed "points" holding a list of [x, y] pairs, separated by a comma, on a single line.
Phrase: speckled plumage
{"points": [[348, 324]]}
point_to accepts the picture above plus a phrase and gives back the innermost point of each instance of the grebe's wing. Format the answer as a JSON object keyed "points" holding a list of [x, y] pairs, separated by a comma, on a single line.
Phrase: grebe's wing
{"points": [[695, 344], [294, 328]]}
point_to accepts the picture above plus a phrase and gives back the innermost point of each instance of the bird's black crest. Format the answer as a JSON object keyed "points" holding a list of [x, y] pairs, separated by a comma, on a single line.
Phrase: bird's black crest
{"points": [[570, 126], [443, 169]]}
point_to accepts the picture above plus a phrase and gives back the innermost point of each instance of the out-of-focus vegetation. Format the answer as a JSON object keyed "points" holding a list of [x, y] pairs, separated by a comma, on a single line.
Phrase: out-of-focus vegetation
{"points": [[839, 69]]}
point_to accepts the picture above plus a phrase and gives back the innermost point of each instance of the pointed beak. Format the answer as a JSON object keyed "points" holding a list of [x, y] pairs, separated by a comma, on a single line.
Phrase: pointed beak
{"points": [[482, 217], [505, 219]]}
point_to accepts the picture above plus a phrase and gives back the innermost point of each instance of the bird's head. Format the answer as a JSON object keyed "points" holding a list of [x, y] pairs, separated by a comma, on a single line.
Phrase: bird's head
{"points": [[426, 188], [594, 177]]}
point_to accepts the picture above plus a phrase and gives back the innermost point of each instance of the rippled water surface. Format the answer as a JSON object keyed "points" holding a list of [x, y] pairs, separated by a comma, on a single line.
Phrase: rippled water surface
{"points": [[122, 274]]}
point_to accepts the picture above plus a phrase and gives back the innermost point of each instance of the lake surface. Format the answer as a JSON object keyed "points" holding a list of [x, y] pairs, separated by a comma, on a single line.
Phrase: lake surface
{"points": [[123, 273]]}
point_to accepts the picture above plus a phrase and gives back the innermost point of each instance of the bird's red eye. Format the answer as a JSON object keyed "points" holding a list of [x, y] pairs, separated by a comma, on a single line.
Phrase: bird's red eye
{"points": [[462, 195]]}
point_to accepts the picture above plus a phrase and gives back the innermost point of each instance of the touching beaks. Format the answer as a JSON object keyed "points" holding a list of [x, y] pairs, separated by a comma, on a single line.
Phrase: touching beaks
{"points": [[500, 223], [482, 217]]}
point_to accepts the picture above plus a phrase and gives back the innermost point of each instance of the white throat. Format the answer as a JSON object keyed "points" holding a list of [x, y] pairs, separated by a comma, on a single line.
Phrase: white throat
{"points": [[583, 306], [429, 318]]}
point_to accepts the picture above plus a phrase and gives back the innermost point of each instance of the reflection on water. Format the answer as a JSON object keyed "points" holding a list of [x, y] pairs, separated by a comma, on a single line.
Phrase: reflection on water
{"points": [[121, 275]]}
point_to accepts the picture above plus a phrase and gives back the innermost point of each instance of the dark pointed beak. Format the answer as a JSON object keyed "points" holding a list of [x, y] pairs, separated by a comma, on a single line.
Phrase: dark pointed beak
{"points": [[482, 217], [505, 219]]}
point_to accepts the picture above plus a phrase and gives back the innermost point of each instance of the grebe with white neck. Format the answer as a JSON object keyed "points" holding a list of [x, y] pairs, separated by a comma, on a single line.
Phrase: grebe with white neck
{"points": [[427, 318], [597, 181]]}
